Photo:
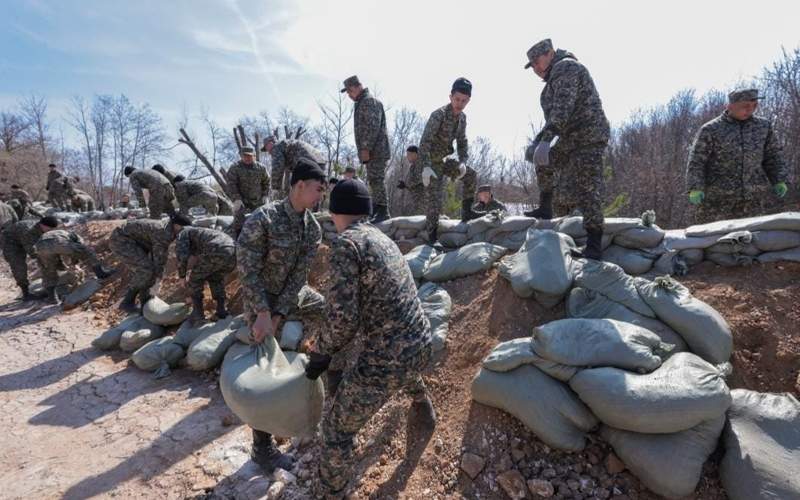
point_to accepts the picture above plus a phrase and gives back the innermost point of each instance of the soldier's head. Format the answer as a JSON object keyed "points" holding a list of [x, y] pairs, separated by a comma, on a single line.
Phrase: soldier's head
{"points": [[15, 186], [412, 154], [353, 87], [126, 198], [308, 184], [349, 172], [269, 143], [742, 103], [248, 155], [48, 223], [128, 171], [178, 222], [159, 168], [52, 166], [485, 193], [350, 201], [178, 178], [332, 182], [540, 56], [460, 94]]}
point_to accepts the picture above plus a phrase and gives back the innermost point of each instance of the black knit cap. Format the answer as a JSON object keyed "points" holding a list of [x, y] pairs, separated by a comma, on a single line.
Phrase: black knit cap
{"points": [[463, 86], [180, 220], [159, 168], [306, 169], [128, 171], [178, 178], [351, 197], [49, 221]]}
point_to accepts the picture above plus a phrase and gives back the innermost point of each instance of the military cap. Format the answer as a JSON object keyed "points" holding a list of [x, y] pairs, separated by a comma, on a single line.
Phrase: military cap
{"points": [[539, 49], [52, 165], [247, 150], [267, 140], [128, 170], [180, 220], [350, 168], [486, 188], [412, 149], [178, 178], [463, 86], [350, 197], [49, 221], [351, 82], [307, 169], [740, 95]]}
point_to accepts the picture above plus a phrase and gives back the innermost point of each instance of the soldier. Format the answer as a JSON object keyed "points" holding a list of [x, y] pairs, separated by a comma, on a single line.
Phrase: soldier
{"points": [[8, 216], [413, 180], [577, 128], [160, 190], [163, 171], [19, 239], [23, 197], [734, 160], [124, 202], [211, 256], [445, 125], [248, 185], [274, 253], [195, 194], [486, 202], [55, 188], [372, 142], [373, 297], [82, 202], [285, 154], [350, 173], [142, 246], [52, 247]]}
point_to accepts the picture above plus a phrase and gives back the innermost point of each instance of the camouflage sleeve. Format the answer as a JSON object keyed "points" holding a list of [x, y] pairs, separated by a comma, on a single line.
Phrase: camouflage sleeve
{"points": [[69, 188], [265, 184], [233, 183], [160, 250], [369, 124], [698, 157], [137, 190], [251, 247], [182, 247], [462, 146], [287, 300], [565, 93], [278, 167], [426, 141], [343, 298], [773, 165]]}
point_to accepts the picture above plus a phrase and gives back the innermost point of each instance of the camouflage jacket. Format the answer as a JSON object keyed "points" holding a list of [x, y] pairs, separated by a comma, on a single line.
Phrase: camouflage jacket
{"points": [[23, 196], [484, 208], [442, 129], [69, 186], [414, 177], [732, 156], [369, 122], [274, 252], [145, 179], [53, 176], [24, 233], [56, 238], [152, 235], [248, 183], [188, 188], [7, 215], [372, 294], [201, 242], [285, 154], [572, 107], [168, 174]]}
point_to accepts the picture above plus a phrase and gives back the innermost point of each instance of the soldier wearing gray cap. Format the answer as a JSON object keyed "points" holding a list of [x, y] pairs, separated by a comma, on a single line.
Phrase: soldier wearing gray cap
{"points": [[733, 162], [577, 130], [248, 186]]}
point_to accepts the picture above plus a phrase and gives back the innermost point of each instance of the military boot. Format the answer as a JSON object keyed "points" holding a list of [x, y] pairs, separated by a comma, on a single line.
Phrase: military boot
{"points": [[101, 272], [381, 214], [128, 303], [27, 295], [52, 296], [594, 245], [197, 315], [422, 413], [267, 455], [221, 313], [466, 210], [144, 296], [545, 208]]}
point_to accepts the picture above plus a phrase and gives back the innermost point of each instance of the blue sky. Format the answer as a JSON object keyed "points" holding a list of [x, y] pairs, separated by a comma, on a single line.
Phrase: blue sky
{"points": [[240, 57]]}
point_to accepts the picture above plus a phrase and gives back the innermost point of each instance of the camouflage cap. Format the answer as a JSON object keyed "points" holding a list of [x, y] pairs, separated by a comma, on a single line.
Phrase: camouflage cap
{"points": [[267, 140], [247, 150], [486, 188], [351, 82], [539, 49], [740, 95], [350, 168]]}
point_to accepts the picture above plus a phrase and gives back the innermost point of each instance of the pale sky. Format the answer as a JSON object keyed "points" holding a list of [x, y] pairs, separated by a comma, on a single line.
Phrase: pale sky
{"points": [[240, 57]]}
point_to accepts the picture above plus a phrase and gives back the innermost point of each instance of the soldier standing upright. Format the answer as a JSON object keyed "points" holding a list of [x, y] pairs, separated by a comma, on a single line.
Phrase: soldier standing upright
{"points": [[372, 142], [413, 181], [248, 185], [285, 155], [160, 191], [578, 131], [733, 162], [55, 187], [18, 241]]}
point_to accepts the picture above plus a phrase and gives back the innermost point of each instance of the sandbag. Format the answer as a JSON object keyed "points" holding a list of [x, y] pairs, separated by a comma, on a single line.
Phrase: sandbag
{"points": [[158, 356], [786, 221], [676, 239], [452, 226], [672, 263], [511, 224], [701, 326], [81, 294], [416, 222], [545, 405], [291, 335], [599, 342], [667, 464], [683, 392], [511, 241], [571, 226], [728, 260], [774, 241], [762, 447], [131, 340], [582, 303], [469, 259], [735, 242], [693, 256], [791, 255], [111, 337], [453, 240], [631, 261], [483, 224], [610, 280], [160, 313], [268, 389], [406, 234], [511, 354], [419, 258], [639, 237], [209, 346], [437, 306]]}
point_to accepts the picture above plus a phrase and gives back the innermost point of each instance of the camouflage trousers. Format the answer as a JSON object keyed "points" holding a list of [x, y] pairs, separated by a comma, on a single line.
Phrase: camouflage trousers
{"points": [[726, 206], [17, 259], [310, 304], [83, 204], [224, 205], [362, 393], [212, 269], [376, 175], [208, 201], [58, 198], [434, 193], [142, 270], [51, 252], [160, 200], [417, 199], [579, 184]]}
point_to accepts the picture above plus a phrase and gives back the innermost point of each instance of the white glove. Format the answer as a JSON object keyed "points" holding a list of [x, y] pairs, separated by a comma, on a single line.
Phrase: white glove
{"points": [[541, 155], [237, 205], [427, 173], [462, 171]]}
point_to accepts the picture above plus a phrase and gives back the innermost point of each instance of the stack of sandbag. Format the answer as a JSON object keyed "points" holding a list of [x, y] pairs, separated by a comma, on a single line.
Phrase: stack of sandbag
{"points": [[500, 229], [159, 356], [130, 329], [437, 306], [160, 313], [210, 342], [469, 259], [419, 258], [452, 233]]}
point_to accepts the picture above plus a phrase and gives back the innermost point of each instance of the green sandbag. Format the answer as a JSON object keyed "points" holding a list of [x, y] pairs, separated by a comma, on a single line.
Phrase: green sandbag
{"points": [[630, 260], [212, 341], [158, 356], [110, 338], [611, 281], [786, 221], [509, 355], [160, 313], [437, 306], [775, 241], [469, 259]]}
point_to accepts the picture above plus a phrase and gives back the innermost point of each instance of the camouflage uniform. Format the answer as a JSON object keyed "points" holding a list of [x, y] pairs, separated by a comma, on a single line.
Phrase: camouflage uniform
{"points": [[416, 188], [442, 129], [169, 175], [19, 239], [24, 199], [284, 155], [574, 112], [57, 244], [250, 184], [82, 201], [734, 163], [196, 194], [372, 296], [159, 188], [142, 246], [274, 253], [8, 216], [55, 189], [369, 122], [481, 209], [216, 258]]}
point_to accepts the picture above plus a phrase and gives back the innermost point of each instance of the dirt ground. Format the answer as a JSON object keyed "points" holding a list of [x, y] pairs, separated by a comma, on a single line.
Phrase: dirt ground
{"points": [[80, 423]]}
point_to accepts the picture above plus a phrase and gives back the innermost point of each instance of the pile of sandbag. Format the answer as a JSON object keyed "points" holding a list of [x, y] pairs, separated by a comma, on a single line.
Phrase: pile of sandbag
{"points": [[131, 334], [469, 259], [160, 313], [437, 306]]}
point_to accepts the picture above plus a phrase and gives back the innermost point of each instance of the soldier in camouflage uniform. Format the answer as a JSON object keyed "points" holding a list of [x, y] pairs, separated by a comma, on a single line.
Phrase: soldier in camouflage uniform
{"points": [[248, 185], [19, 239], [372, 296], [445, 125], [211, 256], [142, 246], [166, 173], [285, 154], [56, 245], [733, 162], [25, 201], [195, 194], [8, 216], [372, 142], [486, 202], [274, 253], [82, 202], [574, 115], [413, 181], [55, 188], [160, 190]]}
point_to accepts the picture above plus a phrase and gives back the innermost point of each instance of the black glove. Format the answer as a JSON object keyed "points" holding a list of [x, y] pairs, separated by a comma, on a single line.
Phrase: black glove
{"points": [[318, 364], [401, 185]]}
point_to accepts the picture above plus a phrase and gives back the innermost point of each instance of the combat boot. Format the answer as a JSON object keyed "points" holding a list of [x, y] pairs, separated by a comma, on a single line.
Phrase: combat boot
{"points": [[545, 208], [197, 315], [128, 303], [221, 313], [423, 414], [101, 272], [52, 296], [267, 455], [144, 296], [27, 295], [466, 210], [594, 245], [381, 214]]}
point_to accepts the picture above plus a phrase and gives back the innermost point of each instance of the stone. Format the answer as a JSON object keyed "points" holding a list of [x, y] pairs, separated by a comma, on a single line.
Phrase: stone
{"points": [[517, 454], [472, 464], [549, 473], [275, 490], [513, 484], [541, 487], [613, 464]]}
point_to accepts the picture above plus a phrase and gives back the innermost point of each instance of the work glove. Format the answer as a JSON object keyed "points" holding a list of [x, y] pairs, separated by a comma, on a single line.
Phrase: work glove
{"points": [[237, 205], [317, 365], [529, 151], [462, 171], [401, 185], [780, 189], [541, 154], [427, 173], [696, 197]]}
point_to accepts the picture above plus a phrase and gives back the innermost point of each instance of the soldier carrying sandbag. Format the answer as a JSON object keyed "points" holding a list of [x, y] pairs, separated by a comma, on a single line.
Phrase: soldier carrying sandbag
{"points": [[160, 191], [18, 241]]}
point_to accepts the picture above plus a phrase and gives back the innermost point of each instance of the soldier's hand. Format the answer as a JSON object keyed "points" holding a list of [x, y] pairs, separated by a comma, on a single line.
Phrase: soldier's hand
{"points": [[541, 155], [262, 327], [780, 189], [427, 174], [696, 197], [363, 155], [317, 364]]}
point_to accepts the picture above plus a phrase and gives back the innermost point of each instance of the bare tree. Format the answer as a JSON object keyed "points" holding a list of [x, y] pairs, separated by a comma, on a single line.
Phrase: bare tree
{"points": [[34, 108], [334, 130], [13, 128]]}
